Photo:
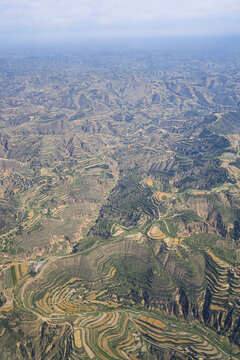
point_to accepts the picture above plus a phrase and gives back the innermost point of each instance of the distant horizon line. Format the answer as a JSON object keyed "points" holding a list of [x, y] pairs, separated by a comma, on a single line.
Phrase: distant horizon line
{"points": [[124, 38]]}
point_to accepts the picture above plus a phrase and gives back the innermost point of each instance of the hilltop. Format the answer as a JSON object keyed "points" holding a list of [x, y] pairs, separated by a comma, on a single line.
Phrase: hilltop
{"points": [[120, 206]]}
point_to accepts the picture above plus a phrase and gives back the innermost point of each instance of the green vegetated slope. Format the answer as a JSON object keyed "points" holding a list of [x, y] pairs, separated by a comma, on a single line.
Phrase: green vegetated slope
{"points": [[225, 123], [120, 223]]}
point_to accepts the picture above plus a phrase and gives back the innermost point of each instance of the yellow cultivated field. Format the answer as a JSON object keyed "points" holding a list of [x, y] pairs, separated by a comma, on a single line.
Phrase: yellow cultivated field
{"points": [[6, 173], [208, 251], [17, 272], [30, 215], [125, 344], [171, 340], [72, 280], [24, 268], [93, 165], [64, 197], [49, 300], [104, 321], [216, 308], [61, 292], [98, 320], [59, 209], [148, 333], [104, 343], [113, 304], [16, 191], [44, 301], [106, 347], [43, 305], [148, 182], [77, 338], [158, 324], [6, 309], [156, 233], [159, 196], [94, 296], [232, 170], [198, 192], [141, 329], [218, 286], [132, 357], [129, 343], [32, 222], [61, 295], [91, 340], [72, 308], [115, 336], [44, 198], [175, 242], [46, 172], [112, 323], [86, 347], [118, 232], [148, 326], [69, 178], [155, 322], [99, 339], [111, 272], [237, 171], [125, 341]]}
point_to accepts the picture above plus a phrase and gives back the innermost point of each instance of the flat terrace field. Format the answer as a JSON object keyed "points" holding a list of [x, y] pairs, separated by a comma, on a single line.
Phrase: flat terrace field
{"points": [[109, 326], [118, 334], [48, 209], [119, 206]]}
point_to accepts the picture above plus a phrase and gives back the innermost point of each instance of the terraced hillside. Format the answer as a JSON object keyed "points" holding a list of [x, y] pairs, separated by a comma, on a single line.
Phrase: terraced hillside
{"points": [[119, 206]]}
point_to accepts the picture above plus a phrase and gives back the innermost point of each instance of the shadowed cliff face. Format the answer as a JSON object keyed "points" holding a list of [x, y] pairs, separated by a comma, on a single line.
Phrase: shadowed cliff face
{"points": [[177, 284], [119, 206], [216, 304]]}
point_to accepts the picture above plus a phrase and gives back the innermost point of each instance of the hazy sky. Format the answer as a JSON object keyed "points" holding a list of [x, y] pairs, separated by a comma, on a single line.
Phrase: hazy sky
{"points": [[80, 18]]}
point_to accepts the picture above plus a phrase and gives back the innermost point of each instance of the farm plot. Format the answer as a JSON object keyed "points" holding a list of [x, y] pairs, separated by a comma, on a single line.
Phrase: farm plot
{"points": [[161, 196], [107, 336], [224, 289], [33, 221], [59, 209], [57, 298], [156, 233], [159, 334], [148, 182], [12, 273]]}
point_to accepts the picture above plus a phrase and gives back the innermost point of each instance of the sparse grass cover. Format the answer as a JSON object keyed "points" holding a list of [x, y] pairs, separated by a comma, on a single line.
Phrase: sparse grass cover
{"points": [[119, 205]]}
